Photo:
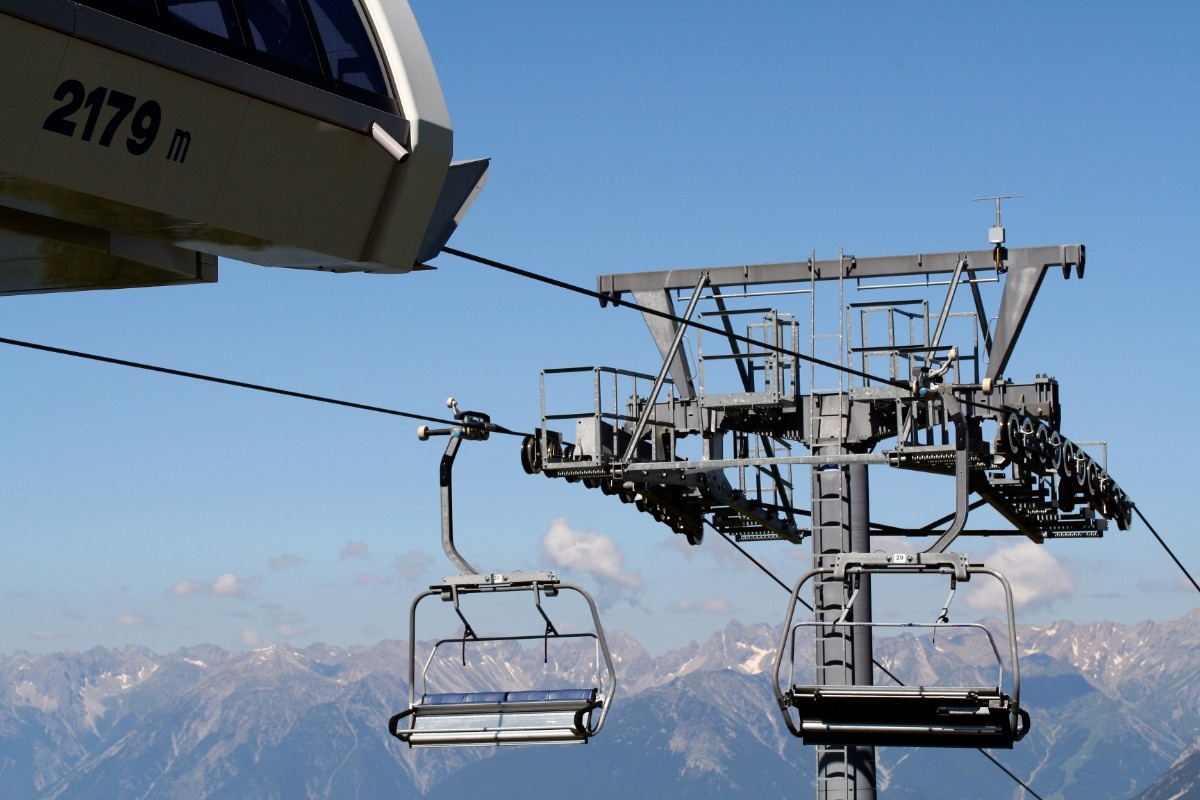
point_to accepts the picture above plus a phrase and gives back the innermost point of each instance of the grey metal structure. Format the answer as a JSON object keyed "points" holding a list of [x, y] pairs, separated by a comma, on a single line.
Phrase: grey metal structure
{"points": [[451, 717], [909, 373]]}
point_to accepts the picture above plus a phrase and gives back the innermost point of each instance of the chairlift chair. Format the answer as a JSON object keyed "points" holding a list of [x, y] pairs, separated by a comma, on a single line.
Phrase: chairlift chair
{"points": [[568, 715], [493, 715], [905, 716]]}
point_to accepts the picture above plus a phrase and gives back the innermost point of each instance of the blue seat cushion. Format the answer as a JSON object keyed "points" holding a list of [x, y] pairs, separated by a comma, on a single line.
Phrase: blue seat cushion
{"points": [[540, 695], [582, 695], [462, 698]]}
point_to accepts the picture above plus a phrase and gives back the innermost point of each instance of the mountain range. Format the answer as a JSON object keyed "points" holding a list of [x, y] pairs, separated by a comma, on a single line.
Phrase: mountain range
{"points": [[1115, 708]]}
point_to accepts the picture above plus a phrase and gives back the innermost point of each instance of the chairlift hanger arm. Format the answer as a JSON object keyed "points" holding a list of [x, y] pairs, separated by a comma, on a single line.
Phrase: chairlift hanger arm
{"points": [[475, 426], [447, 494], [962, 469]]}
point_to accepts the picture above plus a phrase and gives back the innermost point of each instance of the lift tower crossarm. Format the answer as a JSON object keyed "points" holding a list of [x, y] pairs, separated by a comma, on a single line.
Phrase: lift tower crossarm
{"points": [[1020, 288], [1025, 266], [1066, 256]]}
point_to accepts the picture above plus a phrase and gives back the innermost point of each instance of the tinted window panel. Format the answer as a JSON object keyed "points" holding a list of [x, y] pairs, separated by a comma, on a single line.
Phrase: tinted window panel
{"points": [[205, 15], [348, 45], [328, 44], [278, 28], [134, 9]]}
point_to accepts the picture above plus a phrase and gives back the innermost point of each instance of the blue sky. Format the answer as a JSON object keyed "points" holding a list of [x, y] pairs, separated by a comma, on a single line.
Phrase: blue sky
{"points": [[625, 136]]}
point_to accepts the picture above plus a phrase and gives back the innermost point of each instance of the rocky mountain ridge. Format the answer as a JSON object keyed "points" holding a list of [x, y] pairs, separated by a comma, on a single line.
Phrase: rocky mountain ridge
{"points": [[1113, 705]]}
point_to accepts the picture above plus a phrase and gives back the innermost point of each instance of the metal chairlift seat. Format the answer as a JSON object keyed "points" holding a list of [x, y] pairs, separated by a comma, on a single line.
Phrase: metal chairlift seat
{"points": [[568, 715], [906, 716], [556, 716]]}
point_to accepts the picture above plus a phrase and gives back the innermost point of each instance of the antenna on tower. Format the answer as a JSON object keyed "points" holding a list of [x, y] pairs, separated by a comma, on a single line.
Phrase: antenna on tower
{"points": [[996, 232]]}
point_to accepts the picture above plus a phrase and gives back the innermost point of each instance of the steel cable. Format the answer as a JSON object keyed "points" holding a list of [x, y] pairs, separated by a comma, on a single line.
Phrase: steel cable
{"points": [[238, 384], [616, 301], [1164, 546]]}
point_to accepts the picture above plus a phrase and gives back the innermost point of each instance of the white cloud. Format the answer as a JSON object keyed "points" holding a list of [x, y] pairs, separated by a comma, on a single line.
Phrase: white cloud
{"points": [[413, 564], [42, 633], [722, 553], [1038, 579], [679, 546], [1146, 585], [185, 587], [716, 606], [592, 553], [802, 554], [367, 579], [291, 625], [354, 550], [131, 621], [288, 630], [284, 562], [894, 544], [227, 584], [250, 637]]}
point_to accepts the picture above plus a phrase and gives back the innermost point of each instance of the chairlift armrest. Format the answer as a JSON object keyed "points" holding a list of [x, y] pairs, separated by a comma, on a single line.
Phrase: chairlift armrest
{"points": [[1023, 723], [394, 725], [580, 725]]}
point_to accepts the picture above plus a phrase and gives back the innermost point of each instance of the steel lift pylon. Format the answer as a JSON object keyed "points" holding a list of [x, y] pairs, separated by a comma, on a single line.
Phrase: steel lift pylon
{"points": [[909, 374]]}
